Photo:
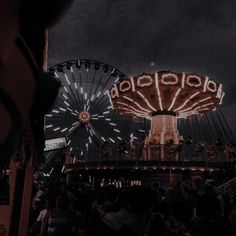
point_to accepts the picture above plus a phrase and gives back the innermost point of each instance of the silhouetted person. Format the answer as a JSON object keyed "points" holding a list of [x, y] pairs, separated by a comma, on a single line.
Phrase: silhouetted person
{"points": [[208, 205], [139, 210], [58, 221]]}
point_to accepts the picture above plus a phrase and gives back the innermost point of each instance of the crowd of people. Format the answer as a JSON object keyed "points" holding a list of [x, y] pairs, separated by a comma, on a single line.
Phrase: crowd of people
{"points": [[187, 210]]}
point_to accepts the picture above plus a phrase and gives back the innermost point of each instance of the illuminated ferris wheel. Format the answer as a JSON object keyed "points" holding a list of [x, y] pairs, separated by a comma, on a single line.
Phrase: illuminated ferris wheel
{"points": [[83, 112]]}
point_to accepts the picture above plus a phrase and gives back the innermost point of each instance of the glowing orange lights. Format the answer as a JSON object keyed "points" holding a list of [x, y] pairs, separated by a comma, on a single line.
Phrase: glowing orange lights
{"points": [[184, 94]]}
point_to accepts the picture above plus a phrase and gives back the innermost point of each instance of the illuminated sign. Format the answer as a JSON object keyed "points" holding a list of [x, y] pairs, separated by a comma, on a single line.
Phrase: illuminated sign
{"points": [[54, 144]]}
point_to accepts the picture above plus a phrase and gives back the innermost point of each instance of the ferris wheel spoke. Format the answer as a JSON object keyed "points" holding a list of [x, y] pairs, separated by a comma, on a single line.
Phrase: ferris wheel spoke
{"points": [[73, 142], [76, 101], [59, 120], [54, 122], [66, 93], [74, 126], [69, 142], [80, 95], [67, 99], [99, 82], [94, 76], [73, 100], [62, 102], [94, 132], [78, 65], [102, 96], [62, 114], [107, 81], [86, 83], [110, 126], [76, 88], [99, 102], [101, 107]]}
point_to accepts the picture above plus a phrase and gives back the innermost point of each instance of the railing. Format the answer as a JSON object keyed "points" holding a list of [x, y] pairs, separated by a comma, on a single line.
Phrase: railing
{"points": [[196, 152], [193, 157]]}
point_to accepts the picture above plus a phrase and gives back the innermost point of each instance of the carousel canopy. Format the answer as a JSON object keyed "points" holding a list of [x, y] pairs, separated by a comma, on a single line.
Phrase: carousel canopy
{"points": [[179, 94]]}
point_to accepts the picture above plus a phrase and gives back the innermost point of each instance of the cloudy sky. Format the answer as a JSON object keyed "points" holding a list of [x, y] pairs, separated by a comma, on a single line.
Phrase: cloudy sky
{"points": [[151, 35]]}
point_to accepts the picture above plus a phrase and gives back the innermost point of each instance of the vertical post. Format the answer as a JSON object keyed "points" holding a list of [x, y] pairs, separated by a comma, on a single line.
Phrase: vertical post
{"points": [[26, 200], [177, 156], [17, 199], [24, 177], [170, 178], [5, 216], [45, 51], [162, 151], [206, 159], [227, 153], [100, 156], [93, 182]]}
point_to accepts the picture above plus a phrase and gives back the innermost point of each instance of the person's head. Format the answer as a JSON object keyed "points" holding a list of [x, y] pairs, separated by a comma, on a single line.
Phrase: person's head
{"points": [[36, 203], [48, 204]]}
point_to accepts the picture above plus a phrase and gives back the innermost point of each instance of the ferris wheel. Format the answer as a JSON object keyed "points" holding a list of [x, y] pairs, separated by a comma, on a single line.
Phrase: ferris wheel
{"points": [[83, 112]]}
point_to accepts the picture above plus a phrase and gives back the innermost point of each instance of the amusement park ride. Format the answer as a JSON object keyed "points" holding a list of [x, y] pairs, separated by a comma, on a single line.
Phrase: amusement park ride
{"points": [[98, 104], [164, 97], [82, 111]]}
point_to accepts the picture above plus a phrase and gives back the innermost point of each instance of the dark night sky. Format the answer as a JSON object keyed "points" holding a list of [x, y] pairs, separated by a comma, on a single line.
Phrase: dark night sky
{"points": [[151, 35]]}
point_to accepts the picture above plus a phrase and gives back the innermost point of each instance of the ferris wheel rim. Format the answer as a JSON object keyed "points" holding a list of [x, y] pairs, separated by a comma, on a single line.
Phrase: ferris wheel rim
{"points": [[84, 60]]}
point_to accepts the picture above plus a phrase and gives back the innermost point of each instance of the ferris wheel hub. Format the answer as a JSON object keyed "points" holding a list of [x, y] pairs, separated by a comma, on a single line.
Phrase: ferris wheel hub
{"points": [[84, 117]]}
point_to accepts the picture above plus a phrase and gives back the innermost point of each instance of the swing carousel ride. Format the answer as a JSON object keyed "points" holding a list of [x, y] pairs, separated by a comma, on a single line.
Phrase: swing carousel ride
{"points": [[164, 97]]}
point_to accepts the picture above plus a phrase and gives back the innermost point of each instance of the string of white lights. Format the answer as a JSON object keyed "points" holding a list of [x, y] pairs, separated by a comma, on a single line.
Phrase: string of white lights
{"points": [[221, 99], [137, 104], [158, 91], [146, 101], [186, 101], [174, 99], [67, 80]]}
